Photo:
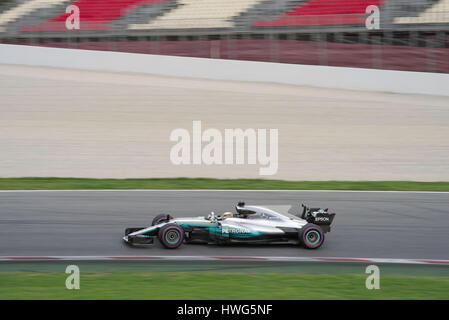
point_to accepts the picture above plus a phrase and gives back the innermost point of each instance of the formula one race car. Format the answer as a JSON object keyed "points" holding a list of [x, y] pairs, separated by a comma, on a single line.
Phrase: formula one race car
{"points": [[252, 224]]}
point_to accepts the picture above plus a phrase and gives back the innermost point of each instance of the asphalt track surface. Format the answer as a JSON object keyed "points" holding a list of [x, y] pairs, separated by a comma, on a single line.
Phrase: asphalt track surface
{"points": [[368, 224]]}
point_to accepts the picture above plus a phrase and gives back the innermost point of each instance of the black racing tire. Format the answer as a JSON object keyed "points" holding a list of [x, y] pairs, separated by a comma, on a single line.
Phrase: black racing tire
{"points": [[171, 236], [160, 218], [311, 236]]}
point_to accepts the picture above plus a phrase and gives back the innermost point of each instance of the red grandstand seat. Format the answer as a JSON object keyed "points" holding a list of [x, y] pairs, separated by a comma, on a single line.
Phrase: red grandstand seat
{"points": [[324, 12], [94, 14]]}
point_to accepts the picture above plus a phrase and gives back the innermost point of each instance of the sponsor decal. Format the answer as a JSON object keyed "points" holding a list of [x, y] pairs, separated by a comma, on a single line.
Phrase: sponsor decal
{"points": [[227, 230]]}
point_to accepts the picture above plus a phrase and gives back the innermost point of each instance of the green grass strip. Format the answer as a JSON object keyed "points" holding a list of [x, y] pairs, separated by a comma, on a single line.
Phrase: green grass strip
{"points": [[191, 285], [206, 183]]}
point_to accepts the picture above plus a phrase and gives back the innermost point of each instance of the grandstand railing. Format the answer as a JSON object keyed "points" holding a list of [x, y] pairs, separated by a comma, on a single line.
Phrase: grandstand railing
{"points": [[405, 25]]}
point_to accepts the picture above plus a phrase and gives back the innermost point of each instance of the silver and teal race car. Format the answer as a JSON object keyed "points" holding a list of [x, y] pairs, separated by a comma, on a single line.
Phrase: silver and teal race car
{"points": [[248, 224]]}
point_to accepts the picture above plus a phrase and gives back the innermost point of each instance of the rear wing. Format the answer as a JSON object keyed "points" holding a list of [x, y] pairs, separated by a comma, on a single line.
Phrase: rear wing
{"points": [[318, 216]]}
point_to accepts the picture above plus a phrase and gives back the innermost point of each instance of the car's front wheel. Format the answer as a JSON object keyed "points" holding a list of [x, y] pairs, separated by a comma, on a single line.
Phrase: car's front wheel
{"points": [[171, 236], [311, 236]]}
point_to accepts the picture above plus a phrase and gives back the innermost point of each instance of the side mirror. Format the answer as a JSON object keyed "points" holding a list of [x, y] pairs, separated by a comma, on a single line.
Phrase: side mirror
{"points": [[213, 217]]}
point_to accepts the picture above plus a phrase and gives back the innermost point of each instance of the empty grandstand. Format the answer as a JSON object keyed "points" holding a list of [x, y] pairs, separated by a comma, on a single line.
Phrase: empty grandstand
{"points": [[412, 34]]}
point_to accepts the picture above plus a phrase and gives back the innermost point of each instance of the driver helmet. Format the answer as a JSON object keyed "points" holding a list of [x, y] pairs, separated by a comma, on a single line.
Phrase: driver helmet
{"points": [[227, 215]]}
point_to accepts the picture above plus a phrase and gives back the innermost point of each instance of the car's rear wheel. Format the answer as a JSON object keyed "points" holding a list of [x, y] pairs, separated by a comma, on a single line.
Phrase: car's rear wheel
{"points": [[171, 236], [160, 218], [311, 236]]}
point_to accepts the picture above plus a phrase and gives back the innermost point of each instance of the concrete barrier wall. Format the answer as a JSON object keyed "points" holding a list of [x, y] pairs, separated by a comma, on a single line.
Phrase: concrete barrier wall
{"points": [[317, 76]]}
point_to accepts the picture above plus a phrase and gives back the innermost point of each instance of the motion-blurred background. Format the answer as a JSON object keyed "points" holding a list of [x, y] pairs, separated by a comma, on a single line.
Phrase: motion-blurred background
{"points": [[413, 34], [71, 123]]}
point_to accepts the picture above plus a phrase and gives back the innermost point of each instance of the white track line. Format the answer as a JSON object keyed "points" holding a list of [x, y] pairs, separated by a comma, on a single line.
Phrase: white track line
{"points": [[226, 258], [220, 190]]}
